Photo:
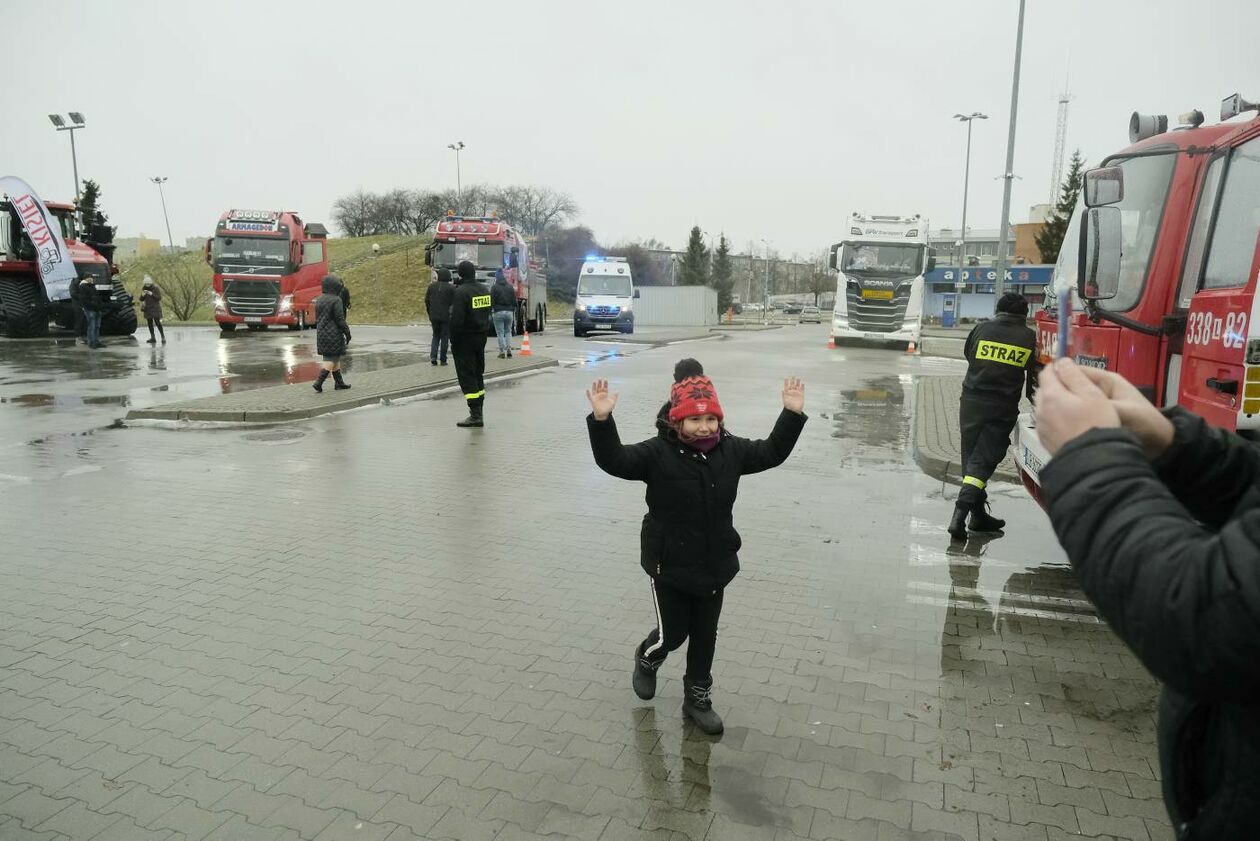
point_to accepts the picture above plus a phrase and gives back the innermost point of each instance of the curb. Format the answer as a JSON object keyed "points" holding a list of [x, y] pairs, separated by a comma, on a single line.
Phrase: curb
{"points": [[206, 410], [932, 460]]}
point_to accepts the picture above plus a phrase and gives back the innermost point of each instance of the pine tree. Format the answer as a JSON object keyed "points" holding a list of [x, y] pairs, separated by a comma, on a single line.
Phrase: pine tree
{"points": [[1050, 238], [694, 270], [722, 279]]}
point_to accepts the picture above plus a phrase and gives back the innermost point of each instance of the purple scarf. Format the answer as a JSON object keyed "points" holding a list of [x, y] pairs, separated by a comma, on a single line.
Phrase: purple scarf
{"points": [[705, 444]]}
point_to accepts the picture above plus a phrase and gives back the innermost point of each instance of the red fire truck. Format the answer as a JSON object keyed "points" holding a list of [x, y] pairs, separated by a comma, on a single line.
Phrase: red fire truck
{"points": [[1162, 258], [491, 245], [267, 269]]}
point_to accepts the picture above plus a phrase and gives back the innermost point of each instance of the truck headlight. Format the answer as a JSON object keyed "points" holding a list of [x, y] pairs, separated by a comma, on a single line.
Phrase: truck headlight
{"points": [[218, 301], [581, 308], [286, 303]]}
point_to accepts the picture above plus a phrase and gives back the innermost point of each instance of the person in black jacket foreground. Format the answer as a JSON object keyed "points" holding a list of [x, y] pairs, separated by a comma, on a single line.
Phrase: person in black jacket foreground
{"points": [[1160, 516], [470, 322], [332, 334], [1001, 355], [437, 302], [688, 543]]}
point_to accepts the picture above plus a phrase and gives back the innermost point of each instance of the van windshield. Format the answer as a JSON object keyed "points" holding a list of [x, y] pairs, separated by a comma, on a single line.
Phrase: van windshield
{"points": [[596, 284]]}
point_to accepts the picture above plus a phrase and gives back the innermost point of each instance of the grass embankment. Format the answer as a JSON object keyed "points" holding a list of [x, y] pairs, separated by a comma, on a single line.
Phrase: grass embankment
{"points": [[388, 289]]}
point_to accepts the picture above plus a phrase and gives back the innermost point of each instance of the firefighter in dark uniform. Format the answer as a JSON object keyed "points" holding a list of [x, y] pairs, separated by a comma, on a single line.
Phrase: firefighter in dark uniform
{"points": [[469, 324], [1001, 365]]}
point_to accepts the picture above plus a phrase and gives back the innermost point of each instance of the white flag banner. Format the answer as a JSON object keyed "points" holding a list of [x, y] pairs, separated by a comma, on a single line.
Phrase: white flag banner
{"points": [[56, 267]]}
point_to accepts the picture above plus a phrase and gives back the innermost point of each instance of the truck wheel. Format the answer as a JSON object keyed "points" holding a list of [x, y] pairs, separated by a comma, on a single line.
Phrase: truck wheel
{"points": [[577, 332], [542, 318], [227, 326], [121, 322], [22, 313]]}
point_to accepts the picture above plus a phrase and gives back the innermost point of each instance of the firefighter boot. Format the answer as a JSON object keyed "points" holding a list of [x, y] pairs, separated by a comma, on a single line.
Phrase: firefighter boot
{"points": [[981, 520], [474, 414], [644, 680], [698, 705], [958, 522], [340, 383], [318, 385]]}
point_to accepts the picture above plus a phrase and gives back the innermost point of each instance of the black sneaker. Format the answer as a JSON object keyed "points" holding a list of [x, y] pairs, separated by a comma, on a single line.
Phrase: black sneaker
{"points": [[985, 523], [433, 362], [501, 355]]}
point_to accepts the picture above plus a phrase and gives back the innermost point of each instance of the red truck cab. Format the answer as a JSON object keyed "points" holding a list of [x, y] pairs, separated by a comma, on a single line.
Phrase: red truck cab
{"points": [[492, 245], [1162, 257], [268, 266]]}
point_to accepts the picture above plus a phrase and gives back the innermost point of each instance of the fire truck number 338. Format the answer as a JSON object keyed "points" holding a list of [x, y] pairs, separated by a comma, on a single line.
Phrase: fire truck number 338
{"points": [[1203, 328]]}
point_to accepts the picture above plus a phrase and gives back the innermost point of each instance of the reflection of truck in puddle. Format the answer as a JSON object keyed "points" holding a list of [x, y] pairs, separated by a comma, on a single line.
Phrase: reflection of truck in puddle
{"points": [[1172, 260], [25, 307], [297, 364]]}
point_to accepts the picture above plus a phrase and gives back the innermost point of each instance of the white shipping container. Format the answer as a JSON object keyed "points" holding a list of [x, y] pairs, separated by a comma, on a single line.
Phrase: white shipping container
{"points": [[676, 306]]}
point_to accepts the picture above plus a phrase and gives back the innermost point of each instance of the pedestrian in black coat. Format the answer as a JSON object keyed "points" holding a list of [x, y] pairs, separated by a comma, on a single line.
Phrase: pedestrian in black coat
{"points": [[1160, 516], [151, 307], [437, 303], [688, 542], [332, 334]]}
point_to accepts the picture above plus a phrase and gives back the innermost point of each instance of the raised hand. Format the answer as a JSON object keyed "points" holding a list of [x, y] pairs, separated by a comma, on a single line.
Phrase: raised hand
{"points": [[602, 403], [794, 394]]}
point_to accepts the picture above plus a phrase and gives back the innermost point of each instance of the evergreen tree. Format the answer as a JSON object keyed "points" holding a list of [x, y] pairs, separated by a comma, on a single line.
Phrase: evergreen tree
{"points": [[722, 279], [694, 270], [1050, 238]]}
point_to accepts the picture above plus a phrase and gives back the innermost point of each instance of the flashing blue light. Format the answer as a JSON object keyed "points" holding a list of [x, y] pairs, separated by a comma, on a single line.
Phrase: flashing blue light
{"points": [[591, 258]]}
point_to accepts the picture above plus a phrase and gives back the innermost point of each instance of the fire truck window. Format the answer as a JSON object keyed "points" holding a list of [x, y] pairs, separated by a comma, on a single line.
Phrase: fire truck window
{"points": [[1233, 247], [1198, 233], [1146, 182], [312, 252]]}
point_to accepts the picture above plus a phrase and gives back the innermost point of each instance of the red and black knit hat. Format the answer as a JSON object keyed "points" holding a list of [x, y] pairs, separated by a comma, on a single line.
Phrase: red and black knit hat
{"points": [[693, 396]]}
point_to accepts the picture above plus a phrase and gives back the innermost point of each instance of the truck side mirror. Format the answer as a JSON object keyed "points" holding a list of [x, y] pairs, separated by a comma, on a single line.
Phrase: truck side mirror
{"points": [[930, 265], [428, 256], [1098, 277], [834, 259], [636, 294], [1104, 186], [209, 245]]}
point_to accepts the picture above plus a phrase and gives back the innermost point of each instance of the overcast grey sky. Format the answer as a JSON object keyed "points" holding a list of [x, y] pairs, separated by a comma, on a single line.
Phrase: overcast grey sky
{"points": [[758, 119]]}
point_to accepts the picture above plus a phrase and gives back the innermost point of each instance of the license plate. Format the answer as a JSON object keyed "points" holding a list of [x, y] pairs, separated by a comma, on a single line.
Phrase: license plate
{"points": [[253, 319], [878, 294]]}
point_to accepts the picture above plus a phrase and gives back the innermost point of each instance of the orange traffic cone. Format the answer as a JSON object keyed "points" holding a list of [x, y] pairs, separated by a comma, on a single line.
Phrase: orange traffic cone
{"points": [[525, 351], [831, 343], [911, 347]]}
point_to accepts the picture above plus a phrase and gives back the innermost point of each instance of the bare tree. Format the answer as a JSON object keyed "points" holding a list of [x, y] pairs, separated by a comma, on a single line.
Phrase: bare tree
{"points": [[353, 213], [427, 209], [184, 289], [532, 209]]}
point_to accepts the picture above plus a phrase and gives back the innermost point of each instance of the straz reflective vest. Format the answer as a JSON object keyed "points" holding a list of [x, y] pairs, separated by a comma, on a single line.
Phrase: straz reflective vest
{"points": [[1001, 361], [470, 309]]}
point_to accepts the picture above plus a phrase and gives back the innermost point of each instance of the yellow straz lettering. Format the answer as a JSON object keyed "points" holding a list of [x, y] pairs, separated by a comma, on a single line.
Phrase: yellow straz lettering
{"points": [[481, 302], [1006, 354]]}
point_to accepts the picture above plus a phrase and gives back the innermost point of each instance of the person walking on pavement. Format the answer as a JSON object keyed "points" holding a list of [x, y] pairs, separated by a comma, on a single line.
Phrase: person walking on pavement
{"points": [[1159, 514], [151, 306], [90, 301], [1001, 365], [503, 303], [332, 334], [688, 542], [470, 321], [437, 302]]}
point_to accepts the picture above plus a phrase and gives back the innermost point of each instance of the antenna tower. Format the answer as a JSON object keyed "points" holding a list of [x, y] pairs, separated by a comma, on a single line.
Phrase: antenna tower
{"points": [[1060, 145]]}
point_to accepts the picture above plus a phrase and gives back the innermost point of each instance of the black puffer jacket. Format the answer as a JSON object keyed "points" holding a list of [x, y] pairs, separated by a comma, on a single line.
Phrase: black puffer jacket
{"points": [[1169, 551], [437, 300], [331, 331], [688, 539]]}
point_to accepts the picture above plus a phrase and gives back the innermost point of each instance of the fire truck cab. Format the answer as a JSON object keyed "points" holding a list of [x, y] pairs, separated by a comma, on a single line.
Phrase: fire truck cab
{"points": [[492, 245], [1160, 263]]}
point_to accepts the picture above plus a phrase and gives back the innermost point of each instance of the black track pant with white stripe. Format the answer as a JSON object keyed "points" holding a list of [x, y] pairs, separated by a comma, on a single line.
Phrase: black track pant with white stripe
{"points": [[679, 616]]}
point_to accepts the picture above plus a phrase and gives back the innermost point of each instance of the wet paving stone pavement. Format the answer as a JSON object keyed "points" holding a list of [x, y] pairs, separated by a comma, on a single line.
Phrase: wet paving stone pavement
{"points": [[373, 625]]}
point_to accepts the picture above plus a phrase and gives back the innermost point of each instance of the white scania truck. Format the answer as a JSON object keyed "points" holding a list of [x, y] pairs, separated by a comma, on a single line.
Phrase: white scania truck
{"points": [[605, 296], [879, 291]]}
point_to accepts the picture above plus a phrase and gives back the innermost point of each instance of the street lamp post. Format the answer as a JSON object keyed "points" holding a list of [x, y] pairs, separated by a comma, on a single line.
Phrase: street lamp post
{"points": [[459, 187], [962, 239], [78, 122], [1009, 173], [159, 180]]}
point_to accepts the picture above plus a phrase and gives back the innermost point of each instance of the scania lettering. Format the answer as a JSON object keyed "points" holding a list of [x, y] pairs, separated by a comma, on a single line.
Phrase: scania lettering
{"points": [[605, 296], [268, 265], [879, 290], [1163, 259], [492, 245]]}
